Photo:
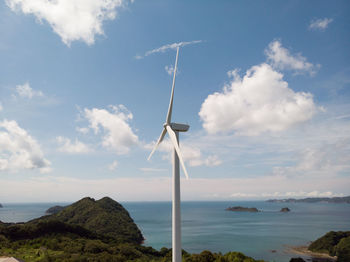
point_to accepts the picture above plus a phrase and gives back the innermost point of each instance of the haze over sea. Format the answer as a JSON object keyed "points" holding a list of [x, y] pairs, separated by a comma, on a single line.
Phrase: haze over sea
{"points": [[207, 226]]}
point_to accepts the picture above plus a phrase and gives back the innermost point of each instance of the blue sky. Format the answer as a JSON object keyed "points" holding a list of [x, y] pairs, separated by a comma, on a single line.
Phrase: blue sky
{"points": [[264, 86]]}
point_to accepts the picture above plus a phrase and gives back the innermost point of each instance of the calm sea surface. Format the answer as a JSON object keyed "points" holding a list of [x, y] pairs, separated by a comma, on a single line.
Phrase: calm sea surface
{"points": [[206, 225]]}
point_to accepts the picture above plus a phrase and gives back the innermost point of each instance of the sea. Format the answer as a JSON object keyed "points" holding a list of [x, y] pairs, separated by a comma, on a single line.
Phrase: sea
{"points": [[267, 235]]}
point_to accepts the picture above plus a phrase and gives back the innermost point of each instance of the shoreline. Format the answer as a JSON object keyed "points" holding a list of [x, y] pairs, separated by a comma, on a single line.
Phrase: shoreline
{"points": [[303, 250]]}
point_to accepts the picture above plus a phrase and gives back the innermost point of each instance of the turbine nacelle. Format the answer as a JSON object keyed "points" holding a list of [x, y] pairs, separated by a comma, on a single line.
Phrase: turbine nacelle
{"points": [[178, 127]]}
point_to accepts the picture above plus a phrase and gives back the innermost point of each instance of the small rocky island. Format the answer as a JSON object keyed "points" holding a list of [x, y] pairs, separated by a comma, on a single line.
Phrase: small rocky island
{"points": [[242, 209], [285, 209], [54, 210]]}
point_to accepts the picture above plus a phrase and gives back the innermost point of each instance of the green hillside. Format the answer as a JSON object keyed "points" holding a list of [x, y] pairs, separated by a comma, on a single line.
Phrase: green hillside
{"points": [[334, 244], [105, 216], [94, 231]]}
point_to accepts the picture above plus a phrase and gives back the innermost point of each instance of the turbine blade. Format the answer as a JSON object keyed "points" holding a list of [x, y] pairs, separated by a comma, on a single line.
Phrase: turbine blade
{"points": [[170, 109], [177, 148], [160, 139]]}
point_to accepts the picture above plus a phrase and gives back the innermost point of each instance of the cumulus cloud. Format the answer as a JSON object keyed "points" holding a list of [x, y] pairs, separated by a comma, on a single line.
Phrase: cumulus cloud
{"points": [[170, 70], [280, 58], [82, 130], [71, 19], [260, 101], [167, 47], [320, 24], [18, 150], [192, 155], [113, 166], [331, 158], [67, 146], [25, 91], [114, 124]]}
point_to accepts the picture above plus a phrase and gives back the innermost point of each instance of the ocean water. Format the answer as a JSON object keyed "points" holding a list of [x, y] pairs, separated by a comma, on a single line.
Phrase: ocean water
{"points": [[207, 226]]}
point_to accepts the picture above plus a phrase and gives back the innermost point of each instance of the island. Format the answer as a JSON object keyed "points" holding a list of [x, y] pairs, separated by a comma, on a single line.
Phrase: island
{"points": [[54, 210], [242, 209], [1, 205], [285, 209], [313, 200], [90, 230]]}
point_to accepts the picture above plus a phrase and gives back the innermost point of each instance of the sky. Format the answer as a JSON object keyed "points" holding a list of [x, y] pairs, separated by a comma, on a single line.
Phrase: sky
{"points": [[85, 87]]}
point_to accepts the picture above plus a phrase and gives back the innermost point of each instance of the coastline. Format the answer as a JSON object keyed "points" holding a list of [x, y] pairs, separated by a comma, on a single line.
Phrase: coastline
{"points": [[303, 250]]}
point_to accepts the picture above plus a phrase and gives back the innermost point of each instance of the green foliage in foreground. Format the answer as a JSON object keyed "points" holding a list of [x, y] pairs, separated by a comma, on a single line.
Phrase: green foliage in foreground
{"points": [[334, 244], [73, 248], [343, 250]]}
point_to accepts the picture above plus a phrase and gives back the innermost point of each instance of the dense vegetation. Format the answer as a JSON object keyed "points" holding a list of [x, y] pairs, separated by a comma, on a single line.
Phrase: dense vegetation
{"points": [[242, 209], [285, 209], [334, 244], [54, 210], [90, 230], [105, 217]]}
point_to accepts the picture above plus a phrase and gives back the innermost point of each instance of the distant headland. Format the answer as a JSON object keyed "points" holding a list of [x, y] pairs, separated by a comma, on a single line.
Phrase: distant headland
{"points": [[1, 205], [54, 210], [313, 200]]}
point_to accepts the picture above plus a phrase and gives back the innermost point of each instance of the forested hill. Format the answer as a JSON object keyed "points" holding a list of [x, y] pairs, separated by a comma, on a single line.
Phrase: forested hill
{"points": [[334, 244], [313, 200], [90, 230], [105, 217]]}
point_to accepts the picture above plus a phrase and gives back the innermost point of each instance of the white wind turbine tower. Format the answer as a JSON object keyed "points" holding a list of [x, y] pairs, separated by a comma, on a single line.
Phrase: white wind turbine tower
{"points": [[173, 130]]}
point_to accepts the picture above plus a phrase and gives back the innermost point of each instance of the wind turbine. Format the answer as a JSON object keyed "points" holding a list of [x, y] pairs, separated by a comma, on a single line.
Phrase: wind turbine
{"points": [[173, 130]]}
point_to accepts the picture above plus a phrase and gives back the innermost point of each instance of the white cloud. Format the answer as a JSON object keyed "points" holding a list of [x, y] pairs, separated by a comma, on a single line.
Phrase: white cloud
{"points": [[280, 58], [72, 20], [167, 47], [300, 194], [155, 188], [83, 130], [320, 24], [72, 148], [18, 150], [242, 195], [26, 91], [118, 135], [192, 155], [1, 108], [113, 166], [327, 159], [150, 169], [260, 101], [169, 70]]}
